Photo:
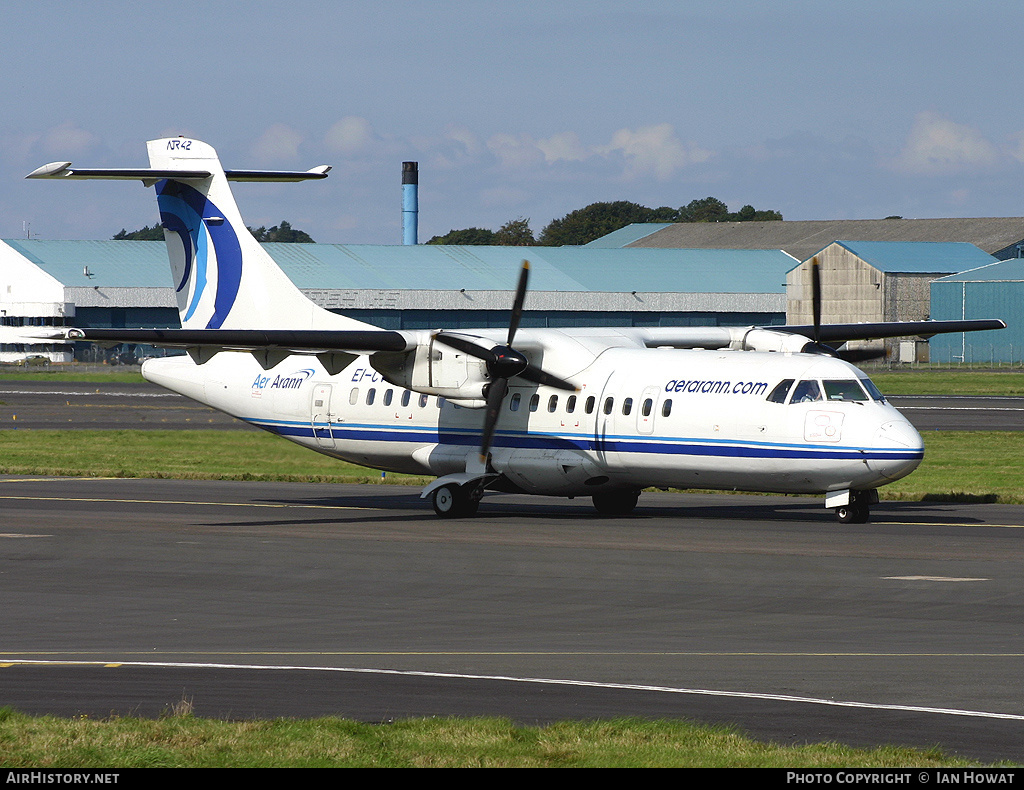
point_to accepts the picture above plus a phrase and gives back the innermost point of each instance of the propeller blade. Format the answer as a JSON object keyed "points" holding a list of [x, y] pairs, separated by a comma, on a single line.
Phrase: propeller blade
{"points": [[517, 304], [463, 343], [816, 298], [538, 376], [497, 390]]}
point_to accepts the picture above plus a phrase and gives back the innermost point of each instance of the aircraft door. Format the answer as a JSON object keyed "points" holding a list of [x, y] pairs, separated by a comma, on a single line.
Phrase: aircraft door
{"points": [[646, 409], [322, 416]]}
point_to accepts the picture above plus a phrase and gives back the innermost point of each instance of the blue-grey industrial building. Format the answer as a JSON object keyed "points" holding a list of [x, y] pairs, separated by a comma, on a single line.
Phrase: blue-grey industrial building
{"points": [[995, 290], [128, 284]]}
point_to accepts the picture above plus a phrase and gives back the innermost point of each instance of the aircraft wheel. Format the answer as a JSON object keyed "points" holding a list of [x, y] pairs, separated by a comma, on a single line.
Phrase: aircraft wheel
{"points": [[854, 513], [454, 501], [616, 503]]}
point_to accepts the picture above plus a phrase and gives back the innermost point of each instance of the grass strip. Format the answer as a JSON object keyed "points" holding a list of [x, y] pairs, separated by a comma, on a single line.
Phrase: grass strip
{"points": [[959, 465], [182, 455], [948, 382], [186, 741], [905, 381]]}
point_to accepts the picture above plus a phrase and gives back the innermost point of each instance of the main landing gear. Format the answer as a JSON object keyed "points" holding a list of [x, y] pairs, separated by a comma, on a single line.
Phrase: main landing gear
{"points": [[455, 501], [616, 503]]}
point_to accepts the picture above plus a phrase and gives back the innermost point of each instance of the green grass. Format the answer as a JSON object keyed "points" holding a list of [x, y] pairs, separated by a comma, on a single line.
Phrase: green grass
{"points": [[90, 375], [187, 741], [896, 381], [958, 465], [188, 455], [948, 382]]}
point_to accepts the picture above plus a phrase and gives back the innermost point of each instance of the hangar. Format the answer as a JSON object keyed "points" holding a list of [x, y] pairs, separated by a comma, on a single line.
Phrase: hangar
{"points": [[127, 284], [995, 289], [871, 281], [1000, 237]]}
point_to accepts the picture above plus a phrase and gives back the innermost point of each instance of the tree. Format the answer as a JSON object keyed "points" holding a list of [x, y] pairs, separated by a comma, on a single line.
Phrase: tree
{"points": [[514, 233], [281, 233], [156, 233], [467, 236], [600, 219], [709, 209]]}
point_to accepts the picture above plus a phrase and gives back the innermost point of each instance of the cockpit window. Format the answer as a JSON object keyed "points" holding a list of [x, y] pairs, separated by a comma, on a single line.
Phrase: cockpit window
{"points": [[873, 391], [778, 395], [806, 391], [845, 389]]}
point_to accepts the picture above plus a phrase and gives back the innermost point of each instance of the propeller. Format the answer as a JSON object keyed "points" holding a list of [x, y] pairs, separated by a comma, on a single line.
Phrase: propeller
{"points": [[503, 363], [816, 346]]}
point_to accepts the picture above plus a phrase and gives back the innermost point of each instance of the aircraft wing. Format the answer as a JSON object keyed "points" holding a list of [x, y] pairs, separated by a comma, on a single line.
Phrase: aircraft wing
{"points": [[334, 348], [722, 337], [294, 340], [833, 333]]}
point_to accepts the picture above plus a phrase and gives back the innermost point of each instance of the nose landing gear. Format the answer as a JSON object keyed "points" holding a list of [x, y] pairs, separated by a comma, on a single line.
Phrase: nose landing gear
{"points": [[856, 509]]}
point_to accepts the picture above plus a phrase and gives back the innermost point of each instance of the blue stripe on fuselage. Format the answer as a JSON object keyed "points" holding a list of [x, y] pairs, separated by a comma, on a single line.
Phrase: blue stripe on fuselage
{"points": [[371, 432]]}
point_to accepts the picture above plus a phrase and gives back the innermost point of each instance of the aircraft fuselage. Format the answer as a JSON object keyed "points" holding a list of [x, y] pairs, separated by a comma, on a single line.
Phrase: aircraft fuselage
{"points": [[716, 419]]}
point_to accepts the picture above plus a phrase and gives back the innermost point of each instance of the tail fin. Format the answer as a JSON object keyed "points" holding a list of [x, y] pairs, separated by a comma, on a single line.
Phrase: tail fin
{"points": [[224, 279]]}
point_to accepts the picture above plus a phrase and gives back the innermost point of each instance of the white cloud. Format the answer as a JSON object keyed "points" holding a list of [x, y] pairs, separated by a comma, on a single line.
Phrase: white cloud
{"points": [[279, 142], [653, 150], [938, 146], [350, 135], [515, 152], [68, 140], [644, 152], [565, 147]]}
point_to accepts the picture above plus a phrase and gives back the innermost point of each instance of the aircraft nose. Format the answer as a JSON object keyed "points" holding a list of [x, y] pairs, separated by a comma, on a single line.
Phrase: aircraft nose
{"points": [[897, 449]]}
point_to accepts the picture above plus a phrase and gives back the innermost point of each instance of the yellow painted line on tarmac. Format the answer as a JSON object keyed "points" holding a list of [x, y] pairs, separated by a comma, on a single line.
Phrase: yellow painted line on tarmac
{"points": [[185, 502], [941, 524], [10, 656]]}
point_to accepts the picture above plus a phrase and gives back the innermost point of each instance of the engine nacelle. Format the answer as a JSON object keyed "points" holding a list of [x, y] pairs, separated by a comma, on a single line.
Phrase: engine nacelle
{"points": [[435, 369], [767, 340]]}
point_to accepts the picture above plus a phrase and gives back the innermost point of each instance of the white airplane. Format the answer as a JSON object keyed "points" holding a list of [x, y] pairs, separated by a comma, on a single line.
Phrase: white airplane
{"points": [[597, 412]]}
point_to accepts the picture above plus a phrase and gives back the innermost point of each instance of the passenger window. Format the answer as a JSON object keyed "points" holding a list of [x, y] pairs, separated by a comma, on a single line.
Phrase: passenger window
{"points": [[370, 395], [778, 395], [353, 396], [846, 389], [627, 405], [570, 404], [406, 395], [647, 408], [513, 405], [666, 407], [534, 402], [591, 401], [552, 403], [388, 396], [423, 401], [806, 391], [609, 404]]}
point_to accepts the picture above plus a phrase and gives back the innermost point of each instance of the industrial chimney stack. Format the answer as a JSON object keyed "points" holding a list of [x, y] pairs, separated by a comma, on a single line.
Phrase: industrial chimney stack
{"points": [[410, 202]]}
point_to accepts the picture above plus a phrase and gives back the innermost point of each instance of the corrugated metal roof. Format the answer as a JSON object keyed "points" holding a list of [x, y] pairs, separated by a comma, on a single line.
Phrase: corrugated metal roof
{"points": [[802, 239], [122, 264], [674, 271], [628, 235], [141, 264], [918, 256], [1011, 270]]}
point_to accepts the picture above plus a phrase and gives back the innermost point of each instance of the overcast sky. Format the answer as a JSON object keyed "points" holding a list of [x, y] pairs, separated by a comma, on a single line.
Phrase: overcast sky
{"points": [[818, 109]]}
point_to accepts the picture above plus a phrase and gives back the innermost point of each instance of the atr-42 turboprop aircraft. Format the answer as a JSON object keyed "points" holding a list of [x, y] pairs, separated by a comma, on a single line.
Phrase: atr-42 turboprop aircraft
{"points": [[597, 412]]}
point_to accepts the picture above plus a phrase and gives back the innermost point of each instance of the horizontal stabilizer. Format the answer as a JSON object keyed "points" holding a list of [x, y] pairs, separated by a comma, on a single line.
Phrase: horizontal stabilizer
{"points": [[65, 170]]}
